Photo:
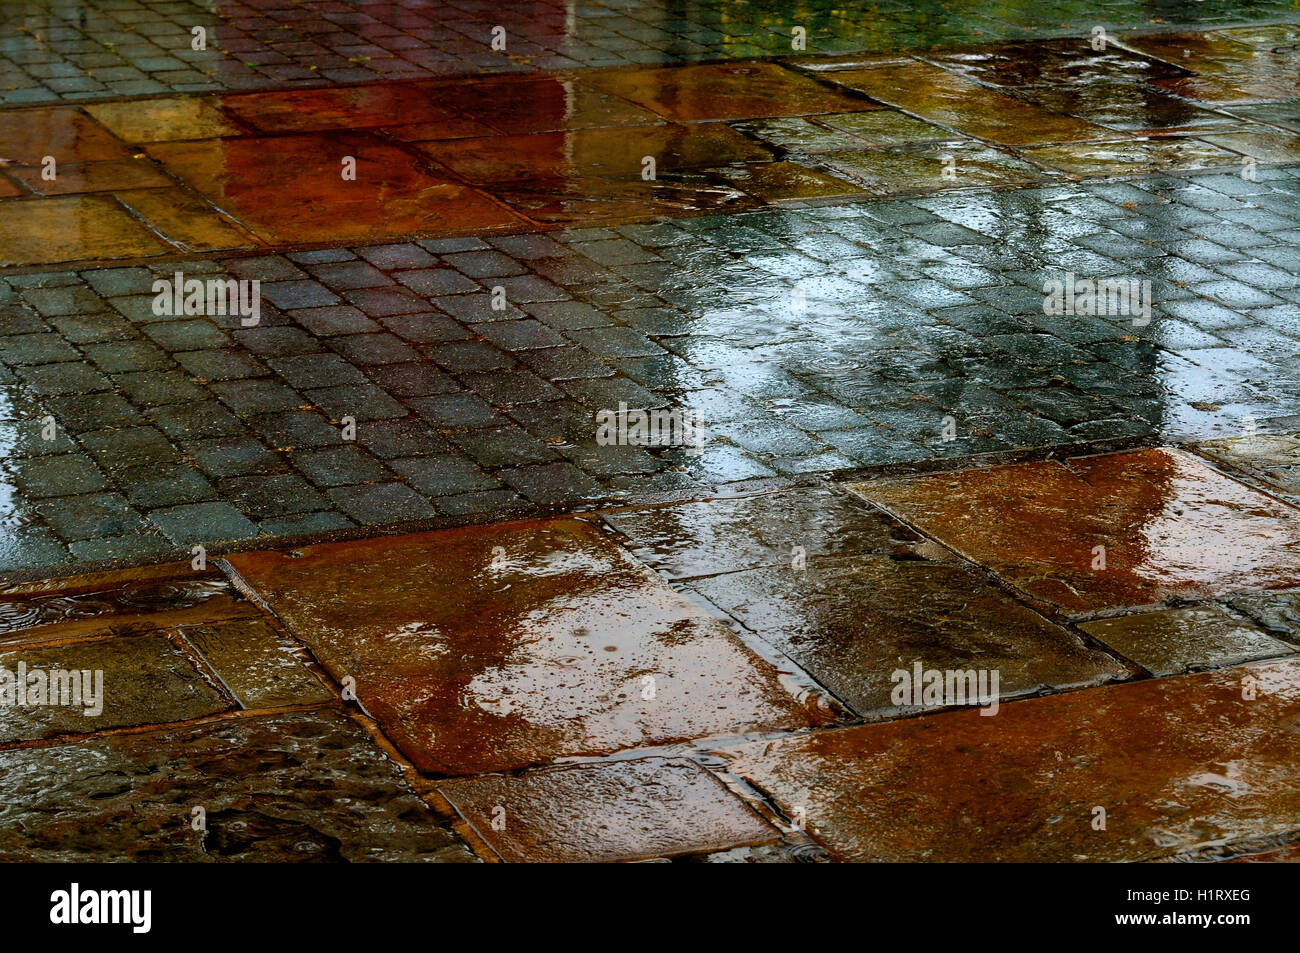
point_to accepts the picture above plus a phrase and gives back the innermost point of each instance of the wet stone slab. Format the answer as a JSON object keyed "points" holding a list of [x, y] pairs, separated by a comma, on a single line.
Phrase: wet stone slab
{"points": [[936, 95], [1173, 641], [1277, 612], [118, 602], [853, 622], [716, 536], [93, 686], [1271, 460], [1177, 763], [256, 664], [724, 91], [301, 787], [620, 810], [503, 646], [1170, 527]]}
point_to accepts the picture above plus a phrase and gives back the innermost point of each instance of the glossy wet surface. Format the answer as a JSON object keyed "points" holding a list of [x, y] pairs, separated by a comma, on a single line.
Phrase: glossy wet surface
{"points": [[419, 672], [623, 810], [834, 259], [1177, 764], [1105, 532], [807, 341], [525, 644]]}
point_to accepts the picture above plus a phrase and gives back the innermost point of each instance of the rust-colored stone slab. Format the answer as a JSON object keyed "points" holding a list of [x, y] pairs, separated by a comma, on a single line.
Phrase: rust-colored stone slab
{"points": [[186, 220], [530, 104], [141, 680], [853, 622], [620, 810], [71, 228], [1177, 763], [307, 786], [257, 665], [558, 160], [165, 119], [496, 647], [726, 91], [76, 177], [1175, 640], [27, 136], [1171, 527], [343, 107], [716, 536], [951, 100], [291, 188]]}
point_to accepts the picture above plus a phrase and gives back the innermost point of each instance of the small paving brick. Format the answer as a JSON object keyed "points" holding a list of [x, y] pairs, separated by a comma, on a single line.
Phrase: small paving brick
{"points": [[339, 466], [299, 428], [408, 436], [502, 447], [62, 475], [151, 487], [265, 496], [361, 402], [224, 365], [129, 446], [202, 523], [503, 388], [433, 282], [372, 349], [94, 514], [256, 396], [521, 335], [277, 341], [336, 319], [403, 255], [316, 370], [412, 380], [297, 294], [553, 483], [443, 475], [387, 503], [191, 421], [231, 456], [425, 327]]}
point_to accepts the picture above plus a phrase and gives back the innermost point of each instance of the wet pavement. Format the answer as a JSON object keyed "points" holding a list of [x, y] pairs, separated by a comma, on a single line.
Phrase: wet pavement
{"points": [[708, 680], [915, 566]]}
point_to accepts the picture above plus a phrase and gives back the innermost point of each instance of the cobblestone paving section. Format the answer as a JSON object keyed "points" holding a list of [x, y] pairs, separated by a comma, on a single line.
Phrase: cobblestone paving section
{"points": [[912, 321], [69, 51]]}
